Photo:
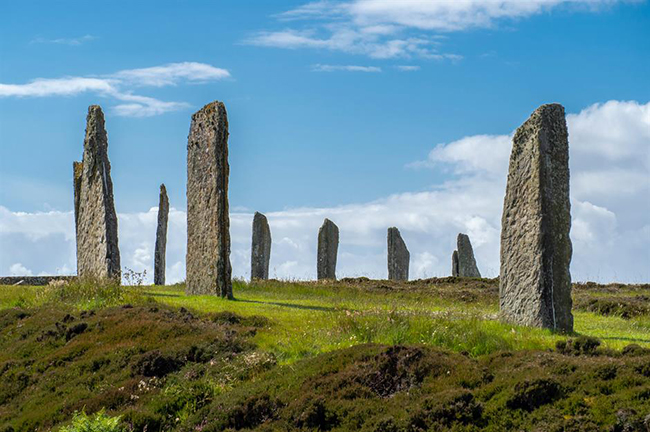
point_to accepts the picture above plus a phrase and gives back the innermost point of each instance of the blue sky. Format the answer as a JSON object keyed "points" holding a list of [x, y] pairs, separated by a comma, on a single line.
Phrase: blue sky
{"points": [[331, 104]]}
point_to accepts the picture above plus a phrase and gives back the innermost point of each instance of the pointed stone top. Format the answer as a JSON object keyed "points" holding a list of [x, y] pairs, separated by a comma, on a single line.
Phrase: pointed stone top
{"points": [[393, 229], [550, 117], [163, 189], [327, 222], [213, 108], [549, 109], [546, 112], [259, 215], [94, 110], [94, 119]]}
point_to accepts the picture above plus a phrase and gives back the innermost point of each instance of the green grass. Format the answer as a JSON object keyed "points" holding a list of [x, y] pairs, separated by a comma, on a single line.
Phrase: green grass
{"points": [[308, 319], [156, 359]]}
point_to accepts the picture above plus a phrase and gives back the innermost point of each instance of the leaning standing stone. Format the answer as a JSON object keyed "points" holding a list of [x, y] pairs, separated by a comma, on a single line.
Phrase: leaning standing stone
{"points": [[328, 244], [161, 238], [466, 261], [398, 256], [260, 247], [208, 269], [535, 282], [98, 255]]}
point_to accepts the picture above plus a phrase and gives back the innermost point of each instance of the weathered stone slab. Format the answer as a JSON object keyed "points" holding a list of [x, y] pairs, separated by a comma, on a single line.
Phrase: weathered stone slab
{"points": [[208, 269], [535, 282], [260, 247], [161, 238], [398, 256], [328, 245], [454, 264], [466, 263], [98, 254]]}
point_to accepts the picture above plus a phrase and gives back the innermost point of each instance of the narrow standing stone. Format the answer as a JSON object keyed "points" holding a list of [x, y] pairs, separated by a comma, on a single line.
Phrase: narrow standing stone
{"points": [[454, 264], [398, 256], [328, 245], [535, 282], [161, 238], [77, 171], [208, 269], [464, 256], [98, 255], [260, 247]]}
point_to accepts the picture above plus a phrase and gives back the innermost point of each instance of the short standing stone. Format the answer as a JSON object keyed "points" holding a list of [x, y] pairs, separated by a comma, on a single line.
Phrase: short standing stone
{"points": [[98, 255], [398, 256], [465, 258], [161, 238], [454, 264], [208, 269], [535, 282], [328, 245], [260, 247]]}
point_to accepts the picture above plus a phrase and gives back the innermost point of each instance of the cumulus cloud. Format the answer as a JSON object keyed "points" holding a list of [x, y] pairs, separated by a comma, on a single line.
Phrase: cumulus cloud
{"points": [[345, 68], [393, 29], [18, 269], [610, 231], [118, 86]]}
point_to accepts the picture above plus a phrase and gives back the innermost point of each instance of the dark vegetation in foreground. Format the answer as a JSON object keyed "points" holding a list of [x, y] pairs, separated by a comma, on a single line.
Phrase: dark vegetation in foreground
{"points": [[154, 367]]}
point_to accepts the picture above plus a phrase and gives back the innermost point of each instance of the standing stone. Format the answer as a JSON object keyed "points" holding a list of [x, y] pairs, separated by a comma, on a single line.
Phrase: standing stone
{"points": [[535, 282], [161, 238], [454, 264], [465, 264], [77, 171], [98, 255], [208, 269], [260, 247], [328, 245], [398, 256]]}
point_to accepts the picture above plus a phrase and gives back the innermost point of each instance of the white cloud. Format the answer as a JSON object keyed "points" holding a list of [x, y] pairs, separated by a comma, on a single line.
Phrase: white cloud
{"points": [[407, 68], [117, 86], [371, 41], [65, 41], [610, 232], [347, 68], [67, 86], [452, 15], [171, 74], [393, 29], [18, 269]]}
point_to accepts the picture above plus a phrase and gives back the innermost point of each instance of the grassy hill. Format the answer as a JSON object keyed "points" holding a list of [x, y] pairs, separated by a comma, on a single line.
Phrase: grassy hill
{"points": [[356, 354]]}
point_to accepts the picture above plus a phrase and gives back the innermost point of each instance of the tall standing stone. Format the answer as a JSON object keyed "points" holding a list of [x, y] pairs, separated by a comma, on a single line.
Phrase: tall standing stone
{"points": [[463, 261], [398, 256], [98, 255], [208, 269], [328, 245], [260, 247], [535, 282], [161, 238]]}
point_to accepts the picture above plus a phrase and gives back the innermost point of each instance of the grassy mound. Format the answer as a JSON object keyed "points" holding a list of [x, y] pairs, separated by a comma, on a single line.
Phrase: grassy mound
{"points": [[136, 360], [417, 388]]}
